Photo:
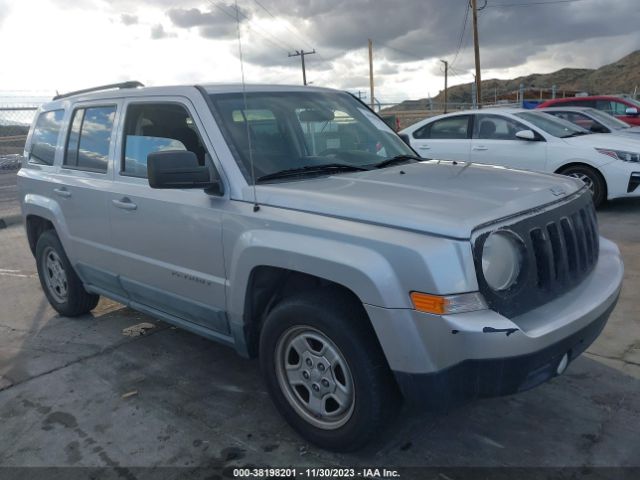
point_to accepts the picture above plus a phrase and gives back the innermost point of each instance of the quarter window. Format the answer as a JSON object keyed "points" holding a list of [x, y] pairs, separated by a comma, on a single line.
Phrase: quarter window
{"points": [[455, 128], [45, 137], [90, 138], [156, 127]]}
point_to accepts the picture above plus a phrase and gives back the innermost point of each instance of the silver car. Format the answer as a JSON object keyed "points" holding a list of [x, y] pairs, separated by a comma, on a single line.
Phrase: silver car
{"points": [[596, 121], [293, 225]]}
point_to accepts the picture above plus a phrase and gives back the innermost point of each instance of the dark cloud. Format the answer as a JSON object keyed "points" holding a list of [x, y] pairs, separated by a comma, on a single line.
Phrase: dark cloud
{"points": [[158, 32], [215, 24], [418, 29], [128, 19]]}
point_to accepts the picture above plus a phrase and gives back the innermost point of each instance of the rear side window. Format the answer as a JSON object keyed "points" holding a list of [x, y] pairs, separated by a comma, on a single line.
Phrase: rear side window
{"points": [[45, 137], [90, 138], [153, 127], [454, 128]]}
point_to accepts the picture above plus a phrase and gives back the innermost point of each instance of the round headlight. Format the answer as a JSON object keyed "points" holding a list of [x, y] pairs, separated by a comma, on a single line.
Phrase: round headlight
{"points": [[501, 260]]}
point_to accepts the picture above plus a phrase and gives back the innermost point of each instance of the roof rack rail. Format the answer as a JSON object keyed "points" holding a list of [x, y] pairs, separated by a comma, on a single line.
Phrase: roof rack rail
{"points": [[130, 84]]}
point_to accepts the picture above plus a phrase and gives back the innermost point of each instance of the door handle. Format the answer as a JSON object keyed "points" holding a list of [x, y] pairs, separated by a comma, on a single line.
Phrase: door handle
{"points": [[124, 204], [480, 148], [424, 147], [62, 192]]}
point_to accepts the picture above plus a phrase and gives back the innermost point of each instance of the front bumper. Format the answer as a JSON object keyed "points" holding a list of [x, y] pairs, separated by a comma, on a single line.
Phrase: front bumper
{"points": [[484, 353], [497, 376], [621, 178]]}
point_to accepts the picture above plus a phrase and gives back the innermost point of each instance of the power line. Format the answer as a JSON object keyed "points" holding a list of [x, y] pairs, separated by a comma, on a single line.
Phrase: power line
{"points": [[464, 28], [269, 38], [292, 32], [285, 25], [404, 52], [531, 4]]}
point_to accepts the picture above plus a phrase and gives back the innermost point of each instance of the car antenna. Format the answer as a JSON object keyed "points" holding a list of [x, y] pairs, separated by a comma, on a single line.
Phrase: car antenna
{"points": [[256, 207]]}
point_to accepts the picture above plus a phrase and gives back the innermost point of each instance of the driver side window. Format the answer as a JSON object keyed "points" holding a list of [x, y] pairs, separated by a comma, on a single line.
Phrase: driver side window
{"points": [[494, 127], [153, 127]]}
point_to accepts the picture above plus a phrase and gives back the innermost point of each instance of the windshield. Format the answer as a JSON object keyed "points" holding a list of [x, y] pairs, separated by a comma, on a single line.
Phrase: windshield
{"points": [[607, 120], [552, 125], [290, 130], [633, 102]]}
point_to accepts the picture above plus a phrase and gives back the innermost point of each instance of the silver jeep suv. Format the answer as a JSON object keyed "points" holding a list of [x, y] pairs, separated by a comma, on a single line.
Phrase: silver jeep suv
{"points": [[293, 225]]}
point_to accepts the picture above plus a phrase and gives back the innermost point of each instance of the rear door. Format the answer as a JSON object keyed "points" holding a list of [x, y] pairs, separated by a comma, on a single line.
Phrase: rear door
{"points": [[495, 142], [81, 185], [169, 242], [447, 138]]}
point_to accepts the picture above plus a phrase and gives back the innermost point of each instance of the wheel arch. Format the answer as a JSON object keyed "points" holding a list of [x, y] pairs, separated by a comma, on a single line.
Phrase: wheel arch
{"points": [[268, 285], [563, 168], [36, 226]]}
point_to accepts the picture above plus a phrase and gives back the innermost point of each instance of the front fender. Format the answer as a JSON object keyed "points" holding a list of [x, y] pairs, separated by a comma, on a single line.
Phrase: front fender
{"points": [[365, 272]]}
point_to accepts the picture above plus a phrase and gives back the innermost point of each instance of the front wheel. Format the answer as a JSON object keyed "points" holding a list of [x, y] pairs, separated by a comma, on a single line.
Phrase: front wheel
{"points": [[592, 178], [325, 370]]}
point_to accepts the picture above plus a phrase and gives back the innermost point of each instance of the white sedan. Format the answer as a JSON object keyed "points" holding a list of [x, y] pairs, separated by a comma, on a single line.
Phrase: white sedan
{"points": [[531, 140]]}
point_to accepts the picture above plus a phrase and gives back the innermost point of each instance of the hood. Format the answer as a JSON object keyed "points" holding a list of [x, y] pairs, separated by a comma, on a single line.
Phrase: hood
{"points": [[632, 132], [606, 140], [442, 198]]}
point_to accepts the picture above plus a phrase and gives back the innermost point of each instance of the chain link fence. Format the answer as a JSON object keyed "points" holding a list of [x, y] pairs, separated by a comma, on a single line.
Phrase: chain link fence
{"points": [[14, 126]]}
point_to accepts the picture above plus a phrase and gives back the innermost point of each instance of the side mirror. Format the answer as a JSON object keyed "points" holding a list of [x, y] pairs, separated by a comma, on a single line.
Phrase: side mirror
{"points": [[405, 138], [179, 169], [526, 135], [631, 111], [598, 128]]}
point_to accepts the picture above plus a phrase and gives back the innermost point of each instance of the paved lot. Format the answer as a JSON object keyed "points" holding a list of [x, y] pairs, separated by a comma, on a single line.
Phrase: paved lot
{"points": [[62, 383]]}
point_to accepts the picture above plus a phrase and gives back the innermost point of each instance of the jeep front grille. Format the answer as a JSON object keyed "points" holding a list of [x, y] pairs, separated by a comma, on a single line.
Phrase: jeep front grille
{"points": [[560, 249]]}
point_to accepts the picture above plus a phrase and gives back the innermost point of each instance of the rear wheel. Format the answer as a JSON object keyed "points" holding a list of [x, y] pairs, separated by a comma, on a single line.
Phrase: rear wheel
{"points": [[325, 370], [61, 285], [592, 178]]}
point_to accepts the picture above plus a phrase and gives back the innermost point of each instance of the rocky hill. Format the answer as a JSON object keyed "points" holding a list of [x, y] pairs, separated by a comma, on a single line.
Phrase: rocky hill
{"points": [[622, 76]]}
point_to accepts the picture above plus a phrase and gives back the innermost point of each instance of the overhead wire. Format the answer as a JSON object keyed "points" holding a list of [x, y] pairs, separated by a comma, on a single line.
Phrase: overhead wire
{"points": [[464, 29], [266, 36], [531, 4]]}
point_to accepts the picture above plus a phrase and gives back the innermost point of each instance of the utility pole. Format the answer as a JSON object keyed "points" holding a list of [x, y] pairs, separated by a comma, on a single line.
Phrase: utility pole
{"points": [[476, 48], [446, 78], [301, 54], [372, 99]]}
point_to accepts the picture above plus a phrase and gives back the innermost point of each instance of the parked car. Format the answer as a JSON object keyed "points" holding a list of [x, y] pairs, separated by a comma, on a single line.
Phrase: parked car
{"points": [[533, 140], [292, 224], [596, 121], [625, 109]]}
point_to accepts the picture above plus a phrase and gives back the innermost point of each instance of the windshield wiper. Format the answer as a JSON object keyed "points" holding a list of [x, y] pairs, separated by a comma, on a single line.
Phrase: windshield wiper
{"points": [[398, 159], [311, 169]]}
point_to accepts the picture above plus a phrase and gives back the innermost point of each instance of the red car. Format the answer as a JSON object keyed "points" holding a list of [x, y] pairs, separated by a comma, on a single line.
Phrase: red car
{"points": [[625, 109]]}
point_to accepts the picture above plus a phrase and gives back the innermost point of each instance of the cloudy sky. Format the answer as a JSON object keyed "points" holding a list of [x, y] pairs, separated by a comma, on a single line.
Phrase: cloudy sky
{"points": [[50, 45]]}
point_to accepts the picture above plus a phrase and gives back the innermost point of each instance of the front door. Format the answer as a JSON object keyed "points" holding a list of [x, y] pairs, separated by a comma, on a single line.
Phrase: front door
{"points": [[169, 242], [494, 142]]}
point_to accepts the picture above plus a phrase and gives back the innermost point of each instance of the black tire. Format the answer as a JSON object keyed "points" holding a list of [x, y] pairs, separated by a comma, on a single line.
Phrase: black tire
{"points": [[342, 320], [72, 301], [591, 177]]}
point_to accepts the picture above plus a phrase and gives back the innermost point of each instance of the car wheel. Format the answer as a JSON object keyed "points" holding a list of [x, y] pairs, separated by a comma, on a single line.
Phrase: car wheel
{"points": [[592, 178], [325, 370], [61, 285]]}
